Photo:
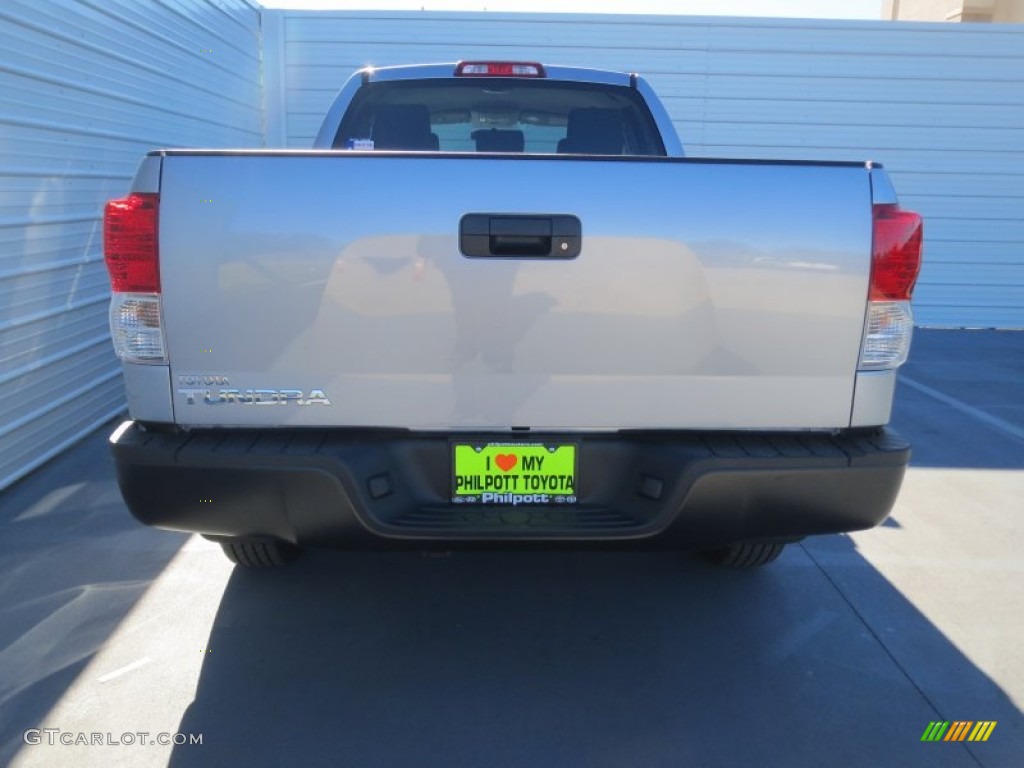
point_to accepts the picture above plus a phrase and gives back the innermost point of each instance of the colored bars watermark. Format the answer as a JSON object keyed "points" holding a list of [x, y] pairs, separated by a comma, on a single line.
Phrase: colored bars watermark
{"points": [[958, 730]]}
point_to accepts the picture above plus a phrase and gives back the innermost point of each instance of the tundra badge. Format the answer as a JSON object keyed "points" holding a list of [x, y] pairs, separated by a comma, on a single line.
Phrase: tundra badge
{"points": [[254, 396]]}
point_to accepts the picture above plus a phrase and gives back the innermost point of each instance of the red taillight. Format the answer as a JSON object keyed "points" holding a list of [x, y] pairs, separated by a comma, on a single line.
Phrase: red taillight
{"points": [[130, 243], [499, 69], [895, 253]]}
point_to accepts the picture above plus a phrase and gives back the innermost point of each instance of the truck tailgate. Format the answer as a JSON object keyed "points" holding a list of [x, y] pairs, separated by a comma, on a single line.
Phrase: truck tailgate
{"points": [[328, 289]]}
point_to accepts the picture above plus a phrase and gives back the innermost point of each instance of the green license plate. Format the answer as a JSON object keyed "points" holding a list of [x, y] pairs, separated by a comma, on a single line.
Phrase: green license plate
{"points": [[513, 473]]}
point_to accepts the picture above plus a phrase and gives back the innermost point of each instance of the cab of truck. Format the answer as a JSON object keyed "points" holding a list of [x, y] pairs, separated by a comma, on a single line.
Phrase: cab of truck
{"points": [[517, 107]]}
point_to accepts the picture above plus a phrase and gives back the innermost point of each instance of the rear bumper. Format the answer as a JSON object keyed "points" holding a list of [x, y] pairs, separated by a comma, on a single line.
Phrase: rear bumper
{"points": [[366, 488]]}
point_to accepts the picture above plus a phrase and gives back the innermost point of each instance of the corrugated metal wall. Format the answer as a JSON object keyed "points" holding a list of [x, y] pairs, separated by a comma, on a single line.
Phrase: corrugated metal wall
{"points": [[86, 88], [940, 105]]}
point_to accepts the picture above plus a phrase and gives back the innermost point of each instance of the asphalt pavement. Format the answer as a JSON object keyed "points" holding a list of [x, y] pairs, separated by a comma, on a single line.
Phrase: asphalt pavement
{"points": [[839, 654]]}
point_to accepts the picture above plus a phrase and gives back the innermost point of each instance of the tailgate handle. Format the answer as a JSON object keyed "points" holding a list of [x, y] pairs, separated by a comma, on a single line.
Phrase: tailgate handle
{"points": [[483, 235]]}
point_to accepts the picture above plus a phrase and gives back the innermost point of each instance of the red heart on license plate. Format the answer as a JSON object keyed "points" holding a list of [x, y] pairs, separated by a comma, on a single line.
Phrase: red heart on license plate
{"points": [[505, 461]]}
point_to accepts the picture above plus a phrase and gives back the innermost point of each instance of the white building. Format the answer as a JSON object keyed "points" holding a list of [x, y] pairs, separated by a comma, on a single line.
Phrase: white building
{"points": [[83, 94]]}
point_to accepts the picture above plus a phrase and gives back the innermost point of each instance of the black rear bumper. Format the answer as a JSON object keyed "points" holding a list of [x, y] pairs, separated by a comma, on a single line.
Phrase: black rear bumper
{"points": [[366, 488]]}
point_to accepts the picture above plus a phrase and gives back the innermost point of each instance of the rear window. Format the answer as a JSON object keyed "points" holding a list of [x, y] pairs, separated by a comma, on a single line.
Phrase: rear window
{"points": [[500, 115]]}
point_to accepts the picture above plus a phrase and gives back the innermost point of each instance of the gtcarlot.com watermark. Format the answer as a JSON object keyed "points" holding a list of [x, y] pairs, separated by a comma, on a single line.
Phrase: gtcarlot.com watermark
{"points": [[56, 736]]}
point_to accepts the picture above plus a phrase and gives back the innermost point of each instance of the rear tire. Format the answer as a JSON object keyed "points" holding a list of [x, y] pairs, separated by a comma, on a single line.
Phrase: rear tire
{"points": [[746, 554], [263, 553]]}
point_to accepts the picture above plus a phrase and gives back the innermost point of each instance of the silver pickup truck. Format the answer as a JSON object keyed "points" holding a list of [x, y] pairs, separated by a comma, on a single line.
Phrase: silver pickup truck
{"points": [[495, 304]]}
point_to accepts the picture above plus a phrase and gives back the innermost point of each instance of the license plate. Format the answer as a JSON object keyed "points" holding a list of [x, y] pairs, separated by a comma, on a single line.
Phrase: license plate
{"points": [[513, 473]]}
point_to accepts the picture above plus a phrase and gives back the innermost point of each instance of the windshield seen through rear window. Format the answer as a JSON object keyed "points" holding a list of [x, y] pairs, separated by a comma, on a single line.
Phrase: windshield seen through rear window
{"points": [[500, 115]]}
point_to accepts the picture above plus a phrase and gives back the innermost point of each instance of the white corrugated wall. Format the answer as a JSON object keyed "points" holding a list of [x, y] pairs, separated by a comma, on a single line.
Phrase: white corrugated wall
{"points": [[940, 105], [86, 88]]}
